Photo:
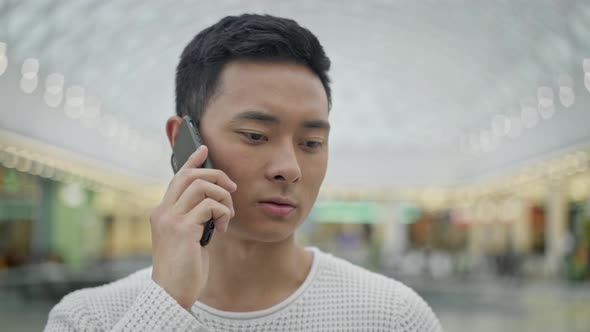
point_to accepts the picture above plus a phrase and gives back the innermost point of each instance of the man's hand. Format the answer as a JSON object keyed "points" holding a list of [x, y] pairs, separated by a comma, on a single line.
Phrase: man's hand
{"points": [[195, 195]]}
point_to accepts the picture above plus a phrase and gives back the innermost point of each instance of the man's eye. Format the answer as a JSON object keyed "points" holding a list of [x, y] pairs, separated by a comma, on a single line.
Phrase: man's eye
{"points": [[254, 137], [312, 144]]}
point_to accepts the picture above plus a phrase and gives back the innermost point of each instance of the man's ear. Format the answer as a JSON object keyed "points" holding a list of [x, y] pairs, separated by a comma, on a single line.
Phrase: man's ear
{"points": [[172, 127]]}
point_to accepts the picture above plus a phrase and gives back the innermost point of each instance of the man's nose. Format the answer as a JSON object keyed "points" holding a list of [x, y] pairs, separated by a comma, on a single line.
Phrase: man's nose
{"points": [[284, 166]]}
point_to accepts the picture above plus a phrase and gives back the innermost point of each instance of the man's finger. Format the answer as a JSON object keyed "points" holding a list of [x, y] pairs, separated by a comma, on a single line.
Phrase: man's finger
{"points": [[210, 209], [199, 190]]}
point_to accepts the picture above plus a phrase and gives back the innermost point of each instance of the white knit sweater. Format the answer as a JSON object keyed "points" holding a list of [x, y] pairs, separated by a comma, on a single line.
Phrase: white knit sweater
{"points": [[336, 296]]}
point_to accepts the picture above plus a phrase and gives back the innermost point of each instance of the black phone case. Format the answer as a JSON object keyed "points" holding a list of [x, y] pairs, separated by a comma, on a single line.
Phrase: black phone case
{"points": [[187, 142]]}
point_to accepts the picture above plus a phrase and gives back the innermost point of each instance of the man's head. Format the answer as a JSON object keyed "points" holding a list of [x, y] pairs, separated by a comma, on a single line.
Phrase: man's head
{"points": [[259, 38], [258, 87]]}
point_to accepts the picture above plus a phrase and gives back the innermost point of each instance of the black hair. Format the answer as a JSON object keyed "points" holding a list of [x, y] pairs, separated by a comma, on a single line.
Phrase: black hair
{"points": [[247, 37]]}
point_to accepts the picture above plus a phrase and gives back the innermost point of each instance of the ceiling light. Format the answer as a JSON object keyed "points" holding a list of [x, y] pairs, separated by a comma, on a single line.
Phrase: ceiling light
{"points": [[74, 102], [53, 100], [30, 68], [566, 96], [54, 83], [566, 91], [28, 85], [546, 106], [545, 96], [547, 112], [3, 64], [500, 125], [3, 58]]}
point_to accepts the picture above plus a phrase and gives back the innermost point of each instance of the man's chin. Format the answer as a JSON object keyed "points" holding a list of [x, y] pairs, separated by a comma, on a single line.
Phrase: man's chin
{"points": [[267, 233]]}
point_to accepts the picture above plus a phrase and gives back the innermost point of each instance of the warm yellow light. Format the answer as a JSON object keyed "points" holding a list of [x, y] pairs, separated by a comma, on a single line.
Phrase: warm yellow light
{"points": [[579, 188]]}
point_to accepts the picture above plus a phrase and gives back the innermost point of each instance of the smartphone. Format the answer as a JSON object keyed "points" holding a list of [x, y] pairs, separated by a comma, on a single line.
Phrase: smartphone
{"points": [[187, 142]]}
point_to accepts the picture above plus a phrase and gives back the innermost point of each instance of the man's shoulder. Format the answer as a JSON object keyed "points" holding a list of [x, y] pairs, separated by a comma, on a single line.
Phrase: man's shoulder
{"points": [[106, 302], [363, 294], [340, 270], [351, 280]]}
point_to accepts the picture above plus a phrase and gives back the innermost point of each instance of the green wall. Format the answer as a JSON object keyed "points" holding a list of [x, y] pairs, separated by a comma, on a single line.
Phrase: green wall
{"points": [[76, 234]]}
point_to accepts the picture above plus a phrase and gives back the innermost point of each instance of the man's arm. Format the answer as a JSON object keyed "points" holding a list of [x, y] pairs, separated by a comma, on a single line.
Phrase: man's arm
{"points": [[152, 310], [414, 313]]}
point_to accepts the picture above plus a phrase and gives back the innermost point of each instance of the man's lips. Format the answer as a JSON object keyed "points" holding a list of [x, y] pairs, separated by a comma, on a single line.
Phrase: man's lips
{"points": [[280, 207], [279, 201]]}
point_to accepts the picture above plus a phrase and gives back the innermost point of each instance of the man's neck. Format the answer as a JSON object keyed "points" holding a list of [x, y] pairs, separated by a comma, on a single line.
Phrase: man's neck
{"points": [[249, 276]]}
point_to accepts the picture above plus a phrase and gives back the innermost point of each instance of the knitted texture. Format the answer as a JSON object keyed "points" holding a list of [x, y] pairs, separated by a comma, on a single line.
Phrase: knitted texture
{"points": [[336, 296]]}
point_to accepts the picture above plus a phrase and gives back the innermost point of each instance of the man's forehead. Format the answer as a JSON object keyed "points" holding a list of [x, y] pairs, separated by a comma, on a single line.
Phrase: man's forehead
{"points": [[246, 77], [258, 91]]}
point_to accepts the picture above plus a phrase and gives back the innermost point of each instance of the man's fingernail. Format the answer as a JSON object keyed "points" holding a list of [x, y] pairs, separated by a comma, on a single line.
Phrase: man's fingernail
{"points": [[197, 150]]}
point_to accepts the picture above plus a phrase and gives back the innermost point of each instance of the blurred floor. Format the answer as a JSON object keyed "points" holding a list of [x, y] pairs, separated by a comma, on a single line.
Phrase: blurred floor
{"points": [[508, 305], [461, 306], [18, 315]]}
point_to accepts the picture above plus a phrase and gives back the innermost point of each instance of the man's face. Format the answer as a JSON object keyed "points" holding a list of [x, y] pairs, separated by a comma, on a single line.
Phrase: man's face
{"points": [[267, 128]]}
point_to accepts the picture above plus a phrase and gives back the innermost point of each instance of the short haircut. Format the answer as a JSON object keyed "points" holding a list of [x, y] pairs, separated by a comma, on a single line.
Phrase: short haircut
{"points": [[246, 37]]}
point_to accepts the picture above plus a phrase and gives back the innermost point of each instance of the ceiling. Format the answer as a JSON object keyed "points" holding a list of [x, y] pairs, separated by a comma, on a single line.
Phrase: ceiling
{"points": [[420, 88]]}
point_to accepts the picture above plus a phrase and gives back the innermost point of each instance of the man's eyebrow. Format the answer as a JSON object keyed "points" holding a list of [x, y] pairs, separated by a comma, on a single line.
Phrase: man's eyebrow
{"points": [[256, 116], [316, 124], [265, 117]]}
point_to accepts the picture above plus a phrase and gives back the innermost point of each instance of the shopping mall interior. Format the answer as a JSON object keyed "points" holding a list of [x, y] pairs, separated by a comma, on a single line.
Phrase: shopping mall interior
{"points": [[459, 157]]}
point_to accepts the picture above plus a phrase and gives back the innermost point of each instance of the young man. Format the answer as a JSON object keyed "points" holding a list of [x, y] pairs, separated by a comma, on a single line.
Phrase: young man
{"points": [[258, 88]]}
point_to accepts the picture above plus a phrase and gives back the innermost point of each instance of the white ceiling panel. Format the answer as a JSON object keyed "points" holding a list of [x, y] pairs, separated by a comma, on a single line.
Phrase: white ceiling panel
{"points": [[416, 84]]}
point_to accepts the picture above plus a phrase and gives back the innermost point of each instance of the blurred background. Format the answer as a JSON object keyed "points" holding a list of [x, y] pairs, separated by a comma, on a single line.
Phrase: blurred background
{"points": [[459, 156]]}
